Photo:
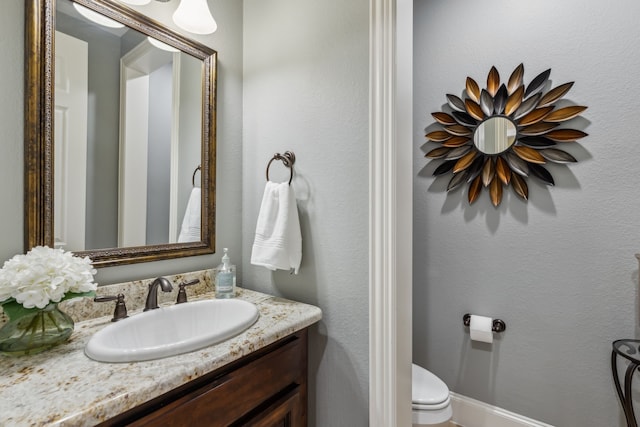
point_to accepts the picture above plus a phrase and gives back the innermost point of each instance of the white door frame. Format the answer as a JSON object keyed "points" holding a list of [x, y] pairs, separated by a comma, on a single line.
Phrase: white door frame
{"points": [[390, 212]]}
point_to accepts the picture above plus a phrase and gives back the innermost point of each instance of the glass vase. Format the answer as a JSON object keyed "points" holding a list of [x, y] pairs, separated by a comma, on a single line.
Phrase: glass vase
{"points": [[36, 332]]}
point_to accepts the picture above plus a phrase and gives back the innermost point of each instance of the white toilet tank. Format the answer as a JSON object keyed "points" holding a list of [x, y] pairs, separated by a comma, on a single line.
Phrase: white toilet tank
{"points": [[431, 404]]}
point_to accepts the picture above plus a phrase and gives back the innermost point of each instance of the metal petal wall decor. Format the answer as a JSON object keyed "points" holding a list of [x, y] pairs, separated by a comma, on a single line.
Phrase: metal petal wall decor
{"points": [[501, 135]]}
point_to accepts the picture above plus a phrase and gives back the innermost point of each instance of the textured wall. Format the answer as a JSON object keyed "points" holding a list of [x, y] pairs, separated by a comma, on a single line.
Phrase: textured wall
{"points": [[227, 41], [11, 123], [560, 269], [306, 90]]}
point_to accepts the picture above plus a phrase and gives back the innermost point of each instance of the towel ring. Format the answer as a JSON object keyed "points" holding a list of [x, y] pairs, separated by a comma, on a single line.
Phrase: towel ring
{"points": [[288, 158], [193, 177]]}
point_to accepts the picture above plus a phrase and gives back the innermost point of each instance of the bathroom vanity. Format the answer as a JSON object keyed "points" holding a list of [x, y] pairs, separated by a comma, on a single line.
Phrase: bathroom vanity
{"points": [[258, 377], [265, 388]]}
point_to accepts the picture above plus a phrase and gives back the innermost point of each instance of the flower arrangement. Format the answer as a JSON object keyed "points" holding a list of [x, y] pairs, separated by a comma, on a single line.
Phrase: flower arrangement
{"points": [[43, 275]]}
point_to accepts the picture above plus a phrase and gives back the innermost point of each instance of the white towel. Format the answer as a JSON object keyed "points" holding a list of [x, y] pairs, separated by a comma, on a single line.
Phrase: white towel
{"points": [[278, 241], [190, 231]]}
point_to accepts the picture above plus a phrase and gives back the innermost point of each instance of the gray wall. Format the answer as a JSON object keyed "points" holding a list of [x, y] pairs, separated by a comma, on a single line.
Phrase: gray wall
{"points": [[11, 124], [306, 90], [560, 269]]}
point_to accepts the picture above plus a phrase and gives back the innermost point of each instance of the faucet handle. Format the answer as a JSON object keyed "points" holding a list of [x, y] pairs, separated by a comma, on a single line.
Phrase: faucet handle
{"points": [[182, 293], [120, 312]]}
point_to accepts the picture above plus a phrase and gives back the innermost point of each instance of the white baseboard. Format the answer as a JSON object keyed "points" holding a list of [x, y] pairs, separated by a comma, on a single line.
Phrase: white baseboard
{"points": [[468, 412]]}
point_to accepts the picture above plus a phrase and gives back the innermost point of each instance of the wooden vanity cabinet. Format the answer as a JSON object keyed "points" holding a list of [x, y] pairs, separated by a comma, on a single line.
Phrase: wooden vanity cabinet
{"points": [[267, 388]]}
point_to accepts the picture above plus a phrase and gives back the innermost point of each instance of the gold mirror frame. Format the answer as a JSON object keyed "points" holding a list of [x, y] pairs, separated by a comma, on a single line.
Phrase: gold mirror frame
{"points": [[39, 105], [536, 118]]}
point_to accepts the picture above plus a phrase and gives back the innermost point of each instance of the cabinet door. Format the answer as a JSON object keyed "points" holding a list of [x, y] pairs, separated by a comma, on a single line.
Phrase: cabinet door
{"points": [[284, 412], [264, 389]]}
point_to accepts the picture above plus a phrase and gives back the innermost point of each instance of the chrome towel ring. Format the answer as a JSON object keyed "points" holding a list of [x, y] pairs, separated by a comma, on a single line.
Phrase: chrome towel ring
{"points": [[288, 158]]}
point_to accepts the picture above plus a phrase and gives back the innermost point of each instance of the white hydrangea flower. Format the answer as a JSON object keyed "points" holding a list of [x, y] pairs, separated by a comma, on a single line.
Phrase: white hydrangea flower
{"points": [[45, 275]]}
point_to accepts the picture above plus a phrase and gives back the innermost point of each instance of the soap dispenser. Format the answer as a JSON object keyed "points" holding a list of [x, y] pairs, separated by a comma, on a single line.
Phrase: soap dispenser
{"points": [[225, 277]]}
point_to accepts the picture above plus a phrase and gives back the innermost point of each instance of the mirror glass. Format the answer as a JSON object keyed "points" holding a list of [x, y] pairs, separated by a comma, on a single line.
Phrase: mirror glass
{"points": [[495, 135], [127, 134], [126, 171]]}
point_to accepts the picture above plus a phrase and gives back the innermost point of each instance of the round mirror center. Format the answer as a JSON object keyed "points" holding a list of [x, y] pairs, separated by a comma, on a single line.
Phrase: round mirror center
{"points": [[495, 135]]}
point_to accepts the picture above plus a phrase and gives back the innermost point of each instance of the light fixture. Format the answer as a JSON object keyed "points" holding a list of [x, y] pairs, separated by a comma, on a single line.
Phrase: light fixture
{"points": [[136, 2], [161, 45], [96, 17], [194, 16]]}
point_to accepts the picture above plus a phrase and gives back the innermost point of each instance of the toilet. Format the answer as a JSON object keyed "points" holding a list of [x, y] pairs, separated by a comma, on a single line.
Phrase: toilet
{"points": [[431, 405]]}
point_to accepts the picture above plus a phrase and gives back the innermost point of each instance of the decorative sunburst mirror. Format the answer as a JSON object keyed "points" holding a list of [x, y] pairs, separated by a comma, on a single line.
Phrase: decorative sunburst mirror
{"points": [[502, 135]]}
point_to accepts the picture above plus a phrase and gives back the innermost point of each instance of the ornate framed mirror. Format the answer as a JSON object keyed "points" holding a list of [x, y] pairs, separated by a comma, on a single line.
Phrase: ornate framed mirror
{"points": [[502, 135], [140, 185]]}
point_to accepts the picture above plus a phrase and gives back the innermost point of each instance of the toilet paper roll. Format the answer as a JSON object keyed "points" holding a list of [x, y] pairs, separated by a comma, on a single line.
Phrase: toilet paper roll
{"points": [[480, 328]]}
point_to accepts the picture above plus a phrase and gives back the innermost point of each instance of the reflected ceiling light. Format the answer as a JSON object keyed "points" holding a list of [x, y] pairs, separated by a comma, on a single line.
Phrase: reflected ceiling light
{"points": [[136, 2], [161, 45], [194, 16], [96, 17]]}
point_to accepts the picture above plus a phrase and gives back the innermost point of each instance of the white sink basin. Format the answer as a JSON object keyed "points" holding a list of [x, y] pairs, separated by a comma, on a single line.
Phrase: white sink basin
{"points": [[171, 330]]}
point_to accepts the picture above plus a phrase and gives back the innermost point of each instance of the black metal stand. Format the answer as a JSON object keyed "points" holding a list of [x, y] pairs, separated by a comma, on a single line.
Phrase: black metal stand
{"points": [[630, 350]]}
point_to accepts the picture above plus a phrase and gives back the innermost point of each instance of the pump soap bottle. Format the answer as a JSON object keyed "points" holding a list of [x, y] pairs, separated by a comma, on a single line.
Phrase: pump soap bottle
{"points": [[225, 277]]}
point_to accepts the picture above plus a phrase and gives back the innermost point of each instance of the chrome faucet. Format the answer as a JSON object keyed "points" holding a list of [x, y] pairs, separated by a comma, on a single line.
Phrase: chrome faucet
{"points": [[152, 296]]}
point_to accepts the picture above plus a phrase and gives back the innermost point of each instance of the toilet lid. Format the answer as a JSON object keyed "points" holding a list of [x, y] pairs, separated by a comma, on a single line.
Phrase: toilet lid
{"points": [[426, 388]]}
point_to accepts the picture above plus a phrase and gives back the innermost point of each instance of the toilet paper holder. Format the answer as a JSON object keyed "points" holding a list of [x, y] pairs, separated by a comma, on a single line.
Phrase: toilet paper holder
{"points": [[497, 325]]}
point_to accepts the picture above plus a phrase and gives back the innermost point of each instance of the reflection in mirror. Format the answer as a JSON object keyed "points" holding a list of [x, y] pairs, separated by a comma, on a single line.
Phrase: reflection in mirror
{"points": [[495, 135], [136, 138], [133, 112]]}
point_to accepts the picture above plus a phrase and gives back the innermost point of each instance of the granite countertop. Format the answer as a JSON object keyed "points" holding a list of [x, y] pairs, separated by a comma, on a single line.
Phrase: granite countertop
{"points": [[63, 387]]}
